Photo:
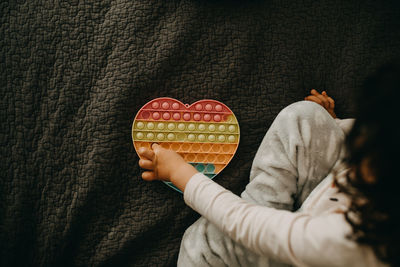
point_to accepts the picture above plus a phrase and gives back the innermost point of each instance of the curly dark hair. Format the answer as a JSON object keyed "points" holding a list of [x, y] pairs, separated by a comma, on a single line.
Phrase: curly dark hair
{"points": [[373, 155]]}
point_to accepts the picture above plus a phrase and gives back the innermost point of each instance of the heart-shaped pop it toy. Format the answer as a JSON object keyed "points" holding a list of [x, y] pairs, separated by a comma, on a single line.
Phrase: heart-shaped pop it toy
{"points": [[206, 134]]}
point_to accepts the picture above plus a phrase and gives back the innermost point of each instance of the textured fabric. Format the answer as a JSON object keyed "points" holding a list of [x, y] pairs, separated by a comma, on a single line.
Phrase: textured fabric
{"points": [[303, 145], [74, 74]]}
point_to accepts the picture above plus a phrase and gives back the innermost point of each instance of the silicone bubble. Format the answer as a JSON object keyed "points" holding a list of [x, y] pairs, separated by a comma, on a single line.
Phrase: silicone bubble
{"points": [[180, 137], [156, 115], [150, 126], [150, 136], [181, 126], [185, 147], [206, 133], [139, 135], [160, 126], [165, 145], [196, 147], [207, 117], [216, 148], [140, 125], [190, 157], [166, 116], [221, 158], [218, 108], [171, 136], [165, 105], [171, 126], [201, 137], [191, 137], [145, 114], [160, 136], [143, 144], [211, 157], [176, 147], [200, 157], [227, 148], [200, 167], [205, 147], [210, 168]]}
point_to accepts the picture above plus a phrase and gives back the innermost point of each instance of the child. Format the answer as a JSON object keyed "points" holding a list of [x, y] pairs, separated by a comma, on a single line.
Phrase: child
{"points": [[345, 188]]}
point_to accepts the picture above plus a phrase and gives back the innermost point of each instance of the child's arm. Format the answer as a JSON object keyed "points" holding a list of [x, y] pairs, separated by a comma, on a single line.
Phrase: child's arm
{"points": [[293, 238]]}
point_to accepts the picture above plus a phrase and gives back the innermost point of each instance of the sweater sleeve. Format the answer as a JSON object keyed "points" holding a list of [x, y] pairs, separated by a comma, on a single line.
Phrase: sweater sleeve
{"points": [[294, 238]]}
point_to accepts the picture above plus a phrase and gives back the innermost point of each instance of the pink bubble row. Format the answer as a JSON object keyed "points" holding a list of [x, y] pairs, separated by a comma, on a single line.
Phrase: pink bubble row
{"points": [[165, 105], [177, 116]]}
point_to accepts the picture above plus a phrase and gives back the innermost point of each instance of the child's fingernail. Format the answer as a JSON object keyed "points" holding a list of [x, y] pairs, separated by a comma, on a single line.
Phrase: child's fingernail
{"points": [[141, 150], [154, 145]]}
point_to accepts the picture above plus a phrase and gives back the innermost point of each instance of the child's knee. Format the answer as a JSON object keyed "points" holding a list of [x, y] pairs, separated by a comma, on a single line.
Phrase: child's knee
{"points": [[302, 110]]}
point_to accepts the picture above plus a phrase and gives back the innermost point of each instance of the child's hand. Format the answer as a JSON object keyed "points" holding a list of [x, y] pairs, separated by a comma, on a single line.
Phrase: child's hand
{"points": [[324, 100], [165, 165]]}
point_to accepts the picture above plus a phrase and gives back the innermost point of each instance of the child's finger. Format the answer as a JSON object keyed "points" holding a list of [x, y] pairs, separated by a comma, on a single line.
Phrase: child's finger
{"points": [[331, 102], [148, 176], [313, 98], [324, 100], [146, 164], [314, 92], [146, 153]]}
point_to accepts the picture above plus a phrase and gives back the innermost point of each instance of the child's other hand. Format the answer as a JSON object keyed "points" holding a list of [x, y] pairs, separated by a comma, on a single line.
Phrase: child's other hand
{"points": [[166, 165], [324, 100]]}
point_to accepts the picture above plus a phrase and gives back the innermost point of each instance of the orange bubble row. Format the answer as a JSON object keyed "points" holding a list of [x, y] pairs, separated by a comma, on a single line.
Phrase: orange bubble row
{"points": [[207, 158], [184, 147]]}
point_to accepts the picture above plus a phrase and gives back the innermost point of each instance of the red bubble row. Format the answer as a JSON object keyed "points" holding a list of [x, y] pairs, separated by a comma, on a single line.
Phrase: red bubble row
{"points": [[175, 106], [177, 116]]}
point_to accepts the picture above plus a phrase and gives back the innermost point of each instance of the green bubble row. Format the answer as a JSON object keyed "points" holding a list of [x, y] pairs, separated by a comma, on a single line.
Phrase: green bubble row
{"points": [[182, 137], [186, 126]]}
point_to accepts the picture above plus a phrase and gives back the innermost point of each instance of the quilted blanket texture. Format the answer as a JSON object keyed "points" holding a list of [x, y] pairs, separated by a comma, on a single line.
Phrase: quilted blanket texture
{"points": [[74, 73]]}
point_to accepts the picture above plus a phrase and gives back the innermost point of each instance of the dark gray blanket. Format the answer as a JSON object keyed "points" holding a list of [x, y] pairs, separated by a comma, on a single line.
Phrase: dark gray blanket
{"points": [[74, 74]]}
